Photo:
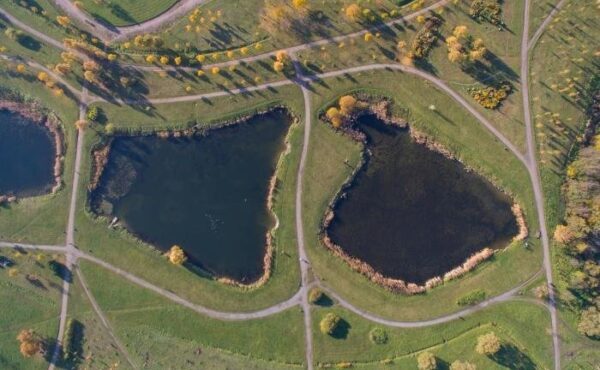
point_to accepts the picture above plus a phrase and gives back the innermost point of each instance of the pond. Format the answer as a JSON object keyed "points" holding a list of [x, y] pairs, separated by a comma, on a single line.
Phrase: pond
{"points": [[207, 194], [413, 214], [27, 156]]}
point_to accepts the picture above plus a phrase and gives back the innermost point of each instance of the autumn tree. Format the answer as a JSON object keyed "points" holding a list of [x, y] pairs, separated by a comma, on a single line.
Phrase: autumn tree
{"points": [[335, 117], [281, 59], [348, 104], [426, 361], [30, 343], [353, 12], [177, 255], [488, 344], [463, 48], [63, 20], [329, 323], [563, 234], [589, 323]]}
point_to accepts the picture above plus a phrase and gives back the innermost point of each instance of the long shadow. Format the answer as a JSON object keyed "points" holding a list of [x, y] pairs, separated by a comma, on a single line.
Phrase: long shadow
{"points": [[511, 357], [342, 330]]}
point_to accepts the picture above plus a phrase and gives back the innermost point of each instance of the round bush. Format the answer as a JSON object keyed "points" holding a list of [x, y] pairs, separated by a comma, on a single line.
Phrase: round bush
{"points": [[329, 323], [378, 336]]}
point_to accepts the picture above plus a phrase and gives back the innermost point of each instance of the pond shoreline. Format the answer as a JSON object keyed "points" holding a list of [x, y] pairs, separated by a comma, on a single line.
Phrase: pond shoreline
{"points": [[381, 109], [101, 152], [36, 114]]}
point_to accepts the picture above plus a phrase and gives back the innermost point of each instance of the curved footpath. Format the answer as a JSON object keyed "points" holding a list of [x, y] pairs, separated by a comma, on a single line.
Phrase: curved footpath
{"points": [[108, 33]]}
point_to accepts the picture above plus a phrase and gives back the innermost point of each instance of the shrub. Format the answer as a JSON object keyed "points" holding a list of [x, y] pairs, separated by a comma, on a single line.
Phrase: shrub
{"points": [[426, 361], [315, 295], [487, 10], [589, 323], [488, 344], [92, 113], [378, 336], [329, 323], [491, 97], [472, 298]]}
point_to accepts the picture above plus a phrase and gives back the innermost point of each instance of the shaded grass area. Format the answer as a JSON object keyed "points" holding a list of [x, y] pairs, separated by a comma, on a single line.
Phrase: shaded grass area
{"points": [[41, 219], [28, 300], [161, 334], [559, 95], [333, 157], [501, 63], [121, 250], [126, 12], [520, 325], [239, 26]]}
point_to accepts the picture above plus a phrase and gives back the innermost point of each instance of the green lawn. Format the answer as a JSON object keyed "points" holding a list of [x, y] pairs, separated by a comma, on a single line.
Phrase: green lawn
{"points": [[126, 12], [28, 300], [161, 333], [521, 326], [455, 129], [40, 219]]}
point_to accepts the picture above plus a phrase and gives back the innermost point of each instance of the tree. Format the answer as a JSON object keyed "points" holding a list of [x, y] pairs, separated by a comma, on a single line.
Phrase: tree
{"points": [[329, 323], [426, 361], [459, 365], [20, 67], [278, 66], [92, 113], [353, 12], [488, 344], [63, 20], [347, 104], [151, 58], [589, 323], [300, 4], [89, 76], [563, 234], [164, 59], [378, 336], [43, 76], [215, 70], [177, 255], [30, 343], [336, 118]]}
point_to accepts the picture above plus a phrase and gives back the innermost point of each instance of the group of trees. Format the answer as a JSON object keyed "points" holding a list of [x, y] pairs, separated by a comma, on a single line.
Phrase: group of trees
{"points": [[487, 10], [348, 105], [30, 343], [463, 48], [491, 97], [580, 237]]}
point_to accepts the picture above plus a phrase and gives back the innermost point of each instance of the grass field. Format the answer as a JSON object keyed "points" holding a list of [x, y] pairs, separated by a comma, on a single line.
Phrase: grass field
{"points": [[522, 326], [452, 127], [161, 333], [28, 300], [126, 12]]}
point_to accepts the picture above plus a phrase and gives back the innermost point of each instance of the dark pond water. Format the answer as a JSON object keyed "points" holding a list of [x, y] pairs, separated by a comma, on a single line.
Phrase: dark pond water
{"points": [[207, 194], [413, 214], [26, 156]]}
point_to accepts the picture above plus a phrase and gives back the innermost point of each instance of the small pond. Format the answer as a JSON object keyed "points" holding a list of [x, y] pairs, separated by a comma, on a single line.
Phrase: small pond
{"points": [[27, 156], [207, 194], [412, 213]]}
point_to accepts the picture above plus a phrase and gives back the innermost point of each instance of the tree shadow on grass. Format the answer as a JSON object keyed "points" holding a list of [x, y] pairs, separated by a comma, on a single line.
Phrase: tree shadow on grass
{"points": [[511, 357], [342, 330]]}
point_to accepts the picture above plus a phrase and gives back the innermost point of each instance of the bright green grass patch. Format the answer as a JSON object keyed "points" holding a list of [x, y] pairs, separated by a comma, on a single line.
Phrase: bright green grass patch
{"points": [[28, 300], [148, 323], [126, 12], [522, 324], [332, 158], [41, 219]]}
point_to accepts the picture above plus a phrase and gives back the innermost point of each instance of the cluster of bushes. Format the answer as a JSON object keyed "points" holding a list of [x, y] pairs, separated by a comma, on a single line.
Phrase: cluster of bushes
{"points": [[491, 97], [472, 298], [426, 37], [487, 10]]}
